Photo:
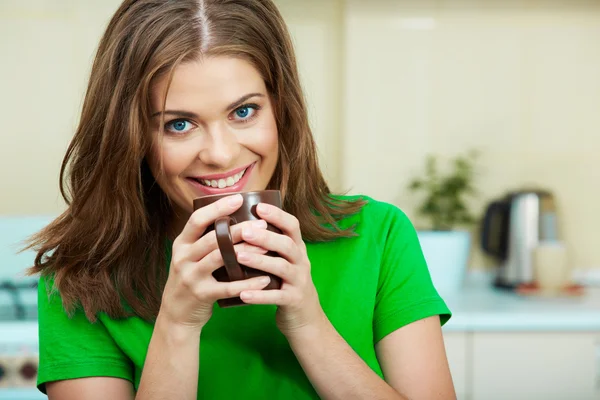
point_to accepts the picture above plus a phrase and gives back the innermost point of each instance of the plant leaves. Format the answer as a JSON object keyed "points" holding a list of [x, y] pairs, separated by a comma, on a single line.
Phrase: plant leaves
{"points": [[445, 195]]}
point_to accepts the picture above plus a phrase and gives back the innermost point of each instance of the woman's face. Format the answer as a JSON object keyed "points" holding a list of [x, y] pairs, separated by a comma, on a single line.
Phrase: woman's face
{"points": [[220, 134]]}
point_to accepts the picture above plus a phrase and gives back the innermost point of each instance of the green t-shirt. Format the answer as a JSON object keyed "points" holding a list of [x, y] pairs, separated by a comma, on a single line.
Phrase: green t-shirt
{"points": [[369, 286]]}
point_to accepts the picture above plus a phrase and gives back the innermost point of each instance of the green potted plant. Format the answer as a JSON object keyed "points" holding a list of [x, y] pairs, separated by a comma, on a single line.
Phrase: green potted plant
{"points": [[446, 242]]}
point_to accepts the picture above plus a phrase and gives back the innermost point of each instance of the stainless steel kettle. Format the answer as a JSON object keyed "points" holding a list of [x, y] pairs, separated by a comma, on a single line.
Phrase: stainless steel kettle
{"points": [[512, 227]]}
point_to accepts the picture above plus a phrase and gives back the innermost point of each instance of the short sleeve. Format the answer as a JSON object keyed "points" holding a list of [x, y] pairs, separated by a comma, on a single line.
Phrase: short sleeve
{"points": [[72, 347], [405, 293]]}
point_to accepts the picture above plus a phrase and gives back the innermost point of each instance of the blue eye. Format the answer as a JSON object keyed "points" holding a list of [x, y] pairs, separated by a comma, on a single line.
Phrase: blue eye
{"points": [[242, 112], [178, 126], [245, 113]]}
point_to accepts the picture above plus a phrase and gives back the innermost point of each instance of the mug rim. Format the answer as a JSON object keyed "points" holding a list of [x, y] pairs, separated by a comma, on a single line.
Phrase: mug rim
{"points": [[208, 196]]}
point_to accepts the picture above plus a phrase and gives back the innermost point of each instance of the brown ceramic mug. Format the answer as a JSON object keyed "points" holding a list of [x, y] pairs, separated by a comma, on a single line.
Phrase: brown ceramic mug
{"points": [[233, 271]]}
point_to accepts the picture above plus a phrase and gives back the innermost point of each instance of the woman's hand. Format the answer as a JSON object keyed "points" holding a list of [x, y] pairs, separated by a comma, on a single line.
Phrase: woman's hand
{"points": [[299, 308], [191, 290]]}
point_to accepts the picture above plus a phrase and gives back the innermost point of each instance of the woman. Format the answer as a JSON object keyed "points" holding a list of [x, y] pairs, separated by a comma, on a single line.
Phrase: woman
{"points": [[188, 98]]}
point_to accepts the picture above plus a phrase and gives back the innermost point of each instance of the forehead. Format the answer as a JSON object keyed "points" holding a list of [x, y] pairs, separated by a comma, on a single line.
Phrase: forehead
{"points": [[208, 83]]}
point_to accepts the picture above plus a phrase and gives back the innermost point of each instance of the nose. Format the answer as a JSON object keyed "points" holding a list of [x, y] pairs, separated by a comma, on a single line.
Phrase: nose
{"points": [[220, 148]]}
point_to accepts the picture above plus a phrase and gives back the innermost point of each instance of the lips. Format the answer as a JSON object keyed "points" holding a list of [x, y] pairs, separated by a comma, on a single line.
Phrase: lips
{"points": [[229, 182], [223, 182]]}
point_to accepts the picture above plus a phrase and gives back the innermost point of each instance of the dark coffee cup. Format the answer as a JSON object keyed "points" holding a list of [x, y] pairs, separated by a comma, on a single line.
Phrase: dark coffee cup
{"points": [[233, 271]]}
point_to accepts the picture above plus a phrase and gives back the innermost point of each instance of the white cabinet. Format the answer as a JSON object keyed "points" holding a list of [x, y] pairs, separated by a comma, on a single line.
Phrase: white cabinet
{"points": [[524, 365], [456, 351], [537, 365]]}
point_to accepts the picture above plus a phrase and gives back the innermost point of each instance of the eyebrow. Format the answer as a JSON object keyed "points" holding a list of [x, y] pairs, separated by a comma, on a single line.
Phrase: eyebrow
{"points": [[191, 115]]}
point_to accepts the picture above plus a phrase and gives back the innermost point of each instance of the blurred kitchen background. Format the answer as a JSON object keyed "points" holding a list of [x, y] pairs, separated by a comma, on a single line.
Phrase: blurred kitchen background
{"points": [[388, 83]]}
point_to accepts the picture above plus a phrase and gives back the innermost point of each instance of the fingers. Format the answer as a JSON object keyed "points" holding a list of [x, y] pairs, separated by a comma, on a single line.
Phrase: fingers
{"points": [[283, 245], [214, 260], [225, 290], [208, 243], [286, 222], [203, 217], [274, 265], [248, 248], [198, 277], [276, 297]]}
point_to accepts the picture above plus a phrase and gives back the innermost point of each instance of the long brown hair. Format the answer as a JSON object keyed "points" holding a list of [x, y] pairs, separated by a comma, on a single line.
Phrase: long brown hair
{"points": [[108, 248]]}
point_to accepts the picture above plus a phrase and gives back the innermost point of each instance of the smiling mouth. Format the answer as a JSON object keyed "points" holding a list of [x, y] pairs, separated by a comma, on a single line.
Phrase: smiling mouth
{"points": [[224, 182]]}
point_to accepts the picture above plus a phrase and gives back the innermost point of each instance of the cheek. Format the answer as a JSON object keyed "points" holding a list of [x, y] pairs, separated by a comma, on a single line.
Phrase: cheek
{"points": [[153, 159], [271, 144], [174, 156], [261, 139], [165, 161], [270, 139]]}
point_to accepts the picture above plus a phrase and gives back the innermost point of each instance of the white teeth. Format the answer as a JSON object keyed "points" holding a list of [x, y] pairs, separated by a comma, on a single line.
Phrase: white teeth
{"points": [[223, 183]]}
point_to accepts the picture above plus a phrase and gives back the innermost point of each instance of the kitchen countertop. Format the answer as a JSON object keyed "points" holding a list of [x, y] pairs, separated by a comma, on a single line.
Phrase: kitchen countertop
{"points": [[477, 307], [481, 307], [22, 394]]}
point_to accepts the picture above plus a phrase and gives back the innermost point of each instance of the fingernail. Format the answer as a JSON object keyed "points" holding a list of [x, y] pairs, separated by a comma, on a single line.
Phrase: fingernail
{"points": [[264, 280], [263, 208], [243, 257], [246, 295], [248, 233], [234, 200], [261, 223]]}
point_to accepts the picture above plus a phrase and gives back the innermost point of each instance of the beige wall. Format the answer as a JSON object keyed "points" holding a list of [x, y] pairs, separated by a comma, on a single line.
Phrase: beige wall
{"points": [[520, 81], [47, 49], [387, 82], [316, 28]]}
